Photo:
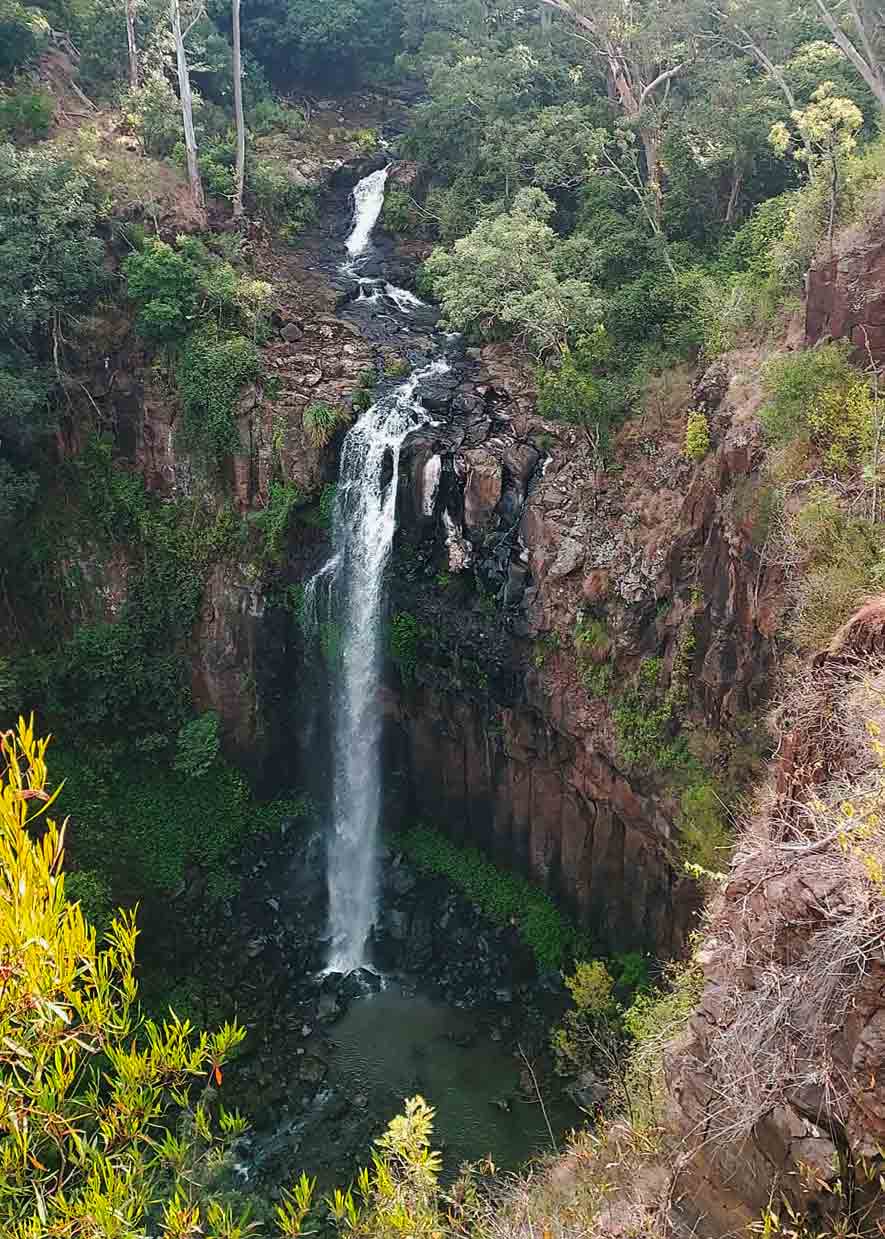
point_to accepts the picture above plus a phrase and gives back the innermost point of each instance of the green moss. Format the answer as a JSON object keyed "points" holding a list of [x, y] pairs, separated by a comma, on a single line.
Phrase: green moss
{"points": [[404, 639], [503, 897], [211, 371]]}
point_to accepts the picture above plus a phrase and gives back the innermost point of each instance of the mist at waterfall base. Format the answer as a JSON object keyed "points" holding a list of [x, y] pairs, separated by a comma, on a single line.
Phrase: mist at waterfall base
{"points": [[393, 1042]]}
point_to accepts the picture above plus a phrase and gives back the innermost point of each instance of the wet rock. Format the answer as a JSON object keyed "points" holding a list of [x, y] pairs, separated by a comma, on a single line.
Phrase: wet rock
{"points": [[312, 1070], [482, 488], [358, 983], [329, 1008]]}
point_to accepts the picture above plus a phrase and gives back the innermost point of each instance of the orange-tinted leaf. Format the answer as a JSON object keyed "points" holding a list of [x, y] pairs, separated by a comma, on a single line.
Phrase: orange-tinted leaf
{"points": [[218, 1076]]}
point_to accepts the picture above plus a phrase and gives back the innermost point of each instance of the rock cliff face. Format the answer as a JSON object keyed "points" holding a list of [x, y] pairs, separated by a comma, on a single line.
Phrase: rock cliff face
{"points": [[846, 291], [495, 735], [776, 1085]]}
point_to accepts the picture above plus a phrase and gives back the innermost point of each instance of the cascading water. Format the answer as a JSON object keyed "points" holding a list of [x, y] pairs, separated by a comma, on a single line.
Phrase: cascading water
{"points": [[363, 529], [365, 522], [368, 199]]}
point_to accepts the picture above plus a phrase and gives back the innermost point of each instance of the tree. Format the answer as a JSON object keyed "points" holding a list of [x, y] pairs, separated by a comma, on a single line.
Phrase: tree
{"points": [[98, 1136], [238, 111], [865, 19], [512, 273], [131, 44], [187, 109], [829, 127], [644, 48]]}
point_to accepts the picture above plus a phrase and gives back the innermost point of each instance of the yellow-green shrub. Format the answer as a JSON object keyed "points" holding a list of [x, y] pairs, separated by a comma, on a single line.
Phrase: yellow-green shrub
{"points": [[697, 436]]}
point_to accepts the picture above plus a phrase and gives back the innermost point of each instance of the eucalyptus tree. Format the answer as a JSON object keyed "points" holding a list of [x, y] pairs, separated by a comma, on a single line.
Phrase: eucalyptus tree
{"points": [[187, 105], [857, 27], [240, 174], [644, 47]]}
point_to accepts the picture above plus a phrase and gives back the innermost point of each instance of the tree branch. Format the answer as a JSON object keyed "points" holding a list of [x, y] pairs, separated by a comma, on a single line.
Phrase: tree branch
{"points": [[666, 76]]}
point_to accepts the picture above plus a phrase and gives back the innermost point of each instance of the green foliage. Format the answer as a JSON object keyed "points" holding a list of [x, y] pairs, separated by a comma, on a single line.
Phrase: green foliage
{"points": [[503, 897], [119, 1103], [817, 396], [165, 285], [154, 113], [842, 566], [400, 214], [211, 371], [653, 1020], [274, 520], [271, 193], [198, 746], [25, 113], [697, 437], [50, 267], [513, 274], [270, 116], [404, 640], [23, 33], [91, 890], [705, 838], [334, 44], [321, 421]]}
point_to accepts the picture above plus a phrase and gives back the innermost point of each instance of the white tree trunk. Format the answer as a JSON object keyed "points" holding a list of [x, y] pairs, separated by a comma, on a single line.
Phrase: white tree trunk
{"points": [[238, 109], [133, 50], [867, 63], [187, 113]]}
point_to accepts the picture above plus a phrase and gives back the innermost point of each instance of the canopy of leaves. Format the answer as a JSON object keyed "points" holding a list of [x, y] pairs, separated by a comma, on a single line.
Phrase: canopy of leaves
{"points": [[512, 274]]}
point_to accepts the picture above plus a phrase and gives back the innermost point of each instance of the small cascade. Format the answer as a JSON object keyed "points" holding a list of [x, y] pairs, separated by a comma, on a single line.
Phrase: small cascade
{"points": [[368, 199]]}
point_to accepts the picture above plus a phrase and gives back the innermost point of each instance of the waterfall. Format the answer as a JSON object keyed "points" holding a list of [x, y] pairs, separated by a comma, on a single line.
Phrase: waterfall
{"points": [[368, 199], [365, 521], [348, 592]]}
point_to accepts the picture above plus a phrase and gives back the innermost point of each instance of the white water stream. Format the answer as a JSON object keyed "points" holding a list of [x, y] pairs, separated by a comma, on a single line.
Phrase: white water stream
{"points": [[368, 199], [353, 579]]}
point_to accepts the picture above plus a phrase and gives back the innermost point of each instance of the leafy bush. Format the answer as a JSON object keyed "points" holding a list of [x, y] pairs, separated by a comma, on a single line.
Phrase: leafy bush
{"points": [[272, 194], [321, 421], [211, 372], [270, 116], [502, 897], [512, 274], [197, 746], [400, 215], [404, 640], [22, 34], [697, 437], [274, 520], [107, 1095], [705, 839], [25, 113], [842, 557], [164, 282], [154, 113], [816, 394]]}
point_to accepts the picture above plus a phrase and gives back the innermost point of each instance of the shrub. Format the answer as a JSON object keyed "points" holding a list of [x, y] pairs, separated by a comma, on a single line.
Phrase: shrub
{"points": [[154, 113], [25, 113], [795, 382], [198, 746], [321, 421], [842, 555], [106, 1094], [164, 283], [400, 214], [22, 34], [269, 116], [705, 839], [274, 520], [503, 897], [211, 372], [697, 437], [404, 640], [272, 194]]}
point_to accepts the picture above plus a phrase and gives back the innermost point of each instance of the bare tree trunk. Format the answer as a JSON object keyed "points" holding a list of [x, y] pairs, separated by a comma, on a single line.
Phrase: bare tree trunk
{"points": [[867, 64], [133, 50], [737, 180], [187, 114], [651, 144], [238, 110]]}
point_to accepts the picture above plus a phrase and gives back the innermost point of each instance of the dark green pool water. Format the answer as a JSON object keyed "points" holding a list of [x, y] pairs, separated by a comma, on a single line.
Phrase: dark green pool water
{"points": [[402, 1044]]}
